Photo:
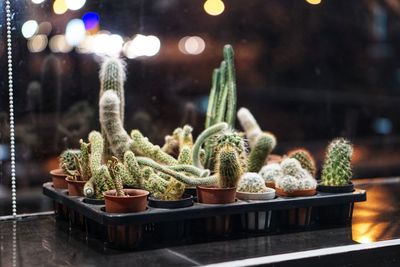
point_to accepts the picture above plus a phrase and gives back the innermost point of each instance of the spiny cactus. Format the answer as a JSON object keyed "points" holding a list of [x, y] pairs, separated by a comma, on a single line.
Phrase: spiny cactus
{"points": [[112, 77], [305, 158], [171, 145], [250, 126], [251, 182], [337, 165], [228, 166], [271, 172], [263, 147], [205, 135], [185, 155], [293, 167], [142, 146], [82, 172], [117, 171], [67, 159], [294, 177], [185, 137], [133, 167], [111, 124]]}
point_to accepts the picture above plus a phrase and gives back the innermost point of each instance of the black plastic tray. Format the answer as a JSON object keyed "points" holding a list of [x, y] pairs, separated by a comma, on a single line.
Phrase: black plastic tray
{"points": [[198, 210]]}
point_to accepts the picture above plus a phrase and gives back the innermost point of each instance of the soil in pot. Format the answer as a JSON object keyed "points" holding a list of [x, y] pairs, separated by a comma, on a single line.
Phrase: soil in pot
{"points": [[75, 188], [214, 195], [58, 177], [134, 201], [336, 189], [185, 201], [297, 193]]}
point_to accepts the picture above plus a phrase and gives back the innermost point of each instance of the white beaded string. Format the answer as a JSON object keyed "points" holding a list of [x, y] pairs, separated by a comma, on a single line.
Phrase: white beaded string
{"points": [[11, 109]]}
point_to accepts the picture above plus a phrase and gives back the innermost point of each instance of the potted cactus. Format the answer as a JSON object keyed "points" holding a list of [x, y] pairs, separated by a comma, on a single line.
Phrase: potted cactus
{"points": [[252, 186], [336, 171], [66, 162]]}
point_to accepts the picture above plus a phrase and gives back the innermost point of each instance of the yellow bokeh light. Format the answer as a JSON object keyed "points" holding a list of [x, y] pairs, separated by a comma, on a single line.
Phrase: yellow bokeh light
{"points": [[60, 7], [214, 7], [313, 2]]}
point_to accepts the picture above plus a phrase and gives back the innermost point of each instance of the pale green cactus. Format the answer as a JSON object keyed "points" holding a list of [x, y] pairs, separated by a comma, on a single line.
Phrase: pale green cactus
{"points": [[117, 171], [133, 167], [271, 172], [228, 166], [249, 125], [294, 177], [263, 147], [337, 165], [185, 155], [306, 160], [82, 172]]}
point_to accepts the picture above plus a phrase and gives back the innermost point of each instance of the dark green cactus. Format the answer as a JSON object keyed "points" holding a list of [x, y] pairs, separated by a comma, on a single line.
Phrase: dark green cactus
{"points": [[228, 166], [263, 147], [305, 158], [337, 165]]}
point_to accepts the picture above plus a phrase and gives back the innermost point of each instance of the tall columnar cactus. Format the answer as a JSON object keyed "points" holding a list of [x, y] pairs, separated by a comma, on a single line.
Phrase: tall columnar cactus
{"points": [[337, 165], [142, 146], [250, 126], [111, 124], [263, 147], [228, 166], [112, 77], [305, 158], [67, 159], [205, 135]]}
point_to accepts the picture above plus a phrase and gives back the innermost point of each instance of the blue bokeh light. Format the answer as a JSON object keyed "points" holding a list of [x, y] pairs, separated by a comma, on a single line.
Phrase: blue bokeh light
{"points": [[91, 20], [383, 125]]}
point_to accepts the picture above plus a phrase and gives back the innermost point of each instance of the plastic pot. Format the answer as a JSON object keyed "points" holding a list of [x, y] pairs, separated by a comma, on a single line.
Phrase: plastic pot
{"points": [[185, 201], [336, 189], [270, 194], [75, 188], [134, 201], [214, 195], [58, 177]]}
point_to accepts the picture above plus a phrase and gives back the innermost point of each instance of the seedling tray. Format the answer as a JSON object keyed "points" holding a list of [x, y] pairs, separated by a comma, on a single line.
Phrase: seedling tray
{"points": [[198, 210]]}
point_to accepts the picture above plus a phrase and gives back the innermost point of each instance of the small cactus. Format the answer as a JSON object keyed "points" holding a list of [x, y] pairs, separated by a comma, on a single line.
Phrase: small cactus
{"points": [[67, 159], [271, 172], [228, 166], [305, 158], [263, 147], [294, 177], [250, 126], [251, 182], [117, 171], [337, 165]]}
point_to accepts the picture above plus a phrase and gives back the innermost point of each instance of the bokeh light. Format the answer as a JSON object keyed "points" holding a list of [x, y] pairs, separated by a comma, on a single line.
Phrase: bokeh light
{"points": [[60, 7], [45, 28], [37, 43], [91, 20], [193, 45], [75, 32], [142, 45], [75, 4], [29, 28], [313, 2], [37, 1], [58, 44], [214, 7]]}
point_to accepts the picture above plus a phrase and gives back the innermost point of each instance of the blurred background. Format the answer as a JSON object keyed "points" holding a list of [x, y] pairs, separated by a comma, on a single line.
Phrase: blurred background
{"points": [[309, 70]]}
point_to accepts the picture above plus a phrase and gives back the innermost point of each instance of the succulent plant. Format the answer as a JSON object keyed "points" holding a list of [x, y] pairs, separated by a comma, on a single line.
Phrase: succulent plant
{"points": [[228, 166], [288, 183], [250, 126], [305, 158], [251, 182], [263, 147], [271, 172], [82, 171], [337, 165], [117, 171], [67, 159], [294, 177]]}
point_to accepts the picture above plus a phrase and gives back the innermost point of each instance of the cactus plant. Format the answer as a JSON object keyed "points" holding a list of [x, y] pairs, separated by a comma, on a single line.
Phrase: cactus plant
{"points": [[294, 177], [263, 147], [82, 171], [271, 172], [117, 171], [251, 182], [228, 166], [250, 126], [305, 158], [112, 77], [337, 165], [67, 159]]}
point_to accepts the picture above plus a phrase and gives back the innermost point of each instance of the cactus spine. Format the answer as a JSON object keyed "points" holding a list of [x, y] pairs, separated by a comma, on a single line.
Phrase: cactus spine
{"points": [[117, 171], [263, 147], [228, 166], [337, 165], [306, 160], [250, 126]]}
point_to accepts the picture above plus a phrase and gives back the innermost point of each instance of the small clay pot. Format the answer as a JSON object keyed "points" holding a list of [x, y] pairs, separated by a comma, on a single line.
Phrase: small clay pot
{"points": [[270, 184], [134, 201], [214, 195], [75, 188], [297, 193], [273, 158], [58, 177], [336, 189]]}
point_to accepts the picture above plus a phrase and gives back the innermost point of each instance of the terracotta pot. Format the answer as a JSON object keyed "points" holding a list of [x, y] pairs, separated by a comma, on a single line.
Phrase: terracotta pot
{"points": [[297, 193], [214, 195], [134, 201], [270, 185], [273, 158], [58, 177], [75, 188]]}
